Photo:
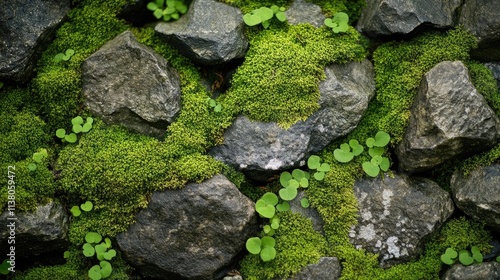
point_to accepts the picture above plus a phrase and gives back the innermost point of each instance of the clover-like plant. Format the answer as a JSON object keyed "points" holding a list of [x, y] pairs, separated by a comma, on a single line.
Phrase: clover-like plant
{"points": [[314, 163], [376, 150], [263, 246], [87, 206], [217, 106], [339, 22], [102, 251], [304, 202], [265, 205], [64, 56], [348, 151], [78, 126], [5, 267], [37, 158], [171, 11], [464, 256], [449, 256], [263, 15], [291, 182]]}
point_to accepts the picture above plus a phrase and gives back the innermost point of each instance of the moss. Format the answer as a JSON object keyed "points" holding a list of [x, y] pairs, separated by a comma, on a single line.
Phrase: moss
{"points": [[352, 8], [297, 245], [462, 233], [485, 83]]}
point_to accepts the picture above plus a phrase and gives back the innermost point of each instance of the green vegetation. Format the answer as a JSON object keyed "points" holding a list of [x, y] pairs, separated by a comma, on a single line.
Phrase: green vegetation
{"points": [[262, 246], [77, 127], [465, 258], [103, 253], [168, 9], [87, 206], [64, 56], [263, 15], [217, 106], [339, 22], [38, 157], [4, 267]]}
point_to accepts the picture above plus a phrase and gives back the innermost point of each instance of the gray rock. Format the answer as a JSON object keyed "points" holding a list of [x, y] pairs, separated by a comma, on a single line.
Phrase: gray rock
{"points": [[26, 27], [44, 230], [397, 215], [127, 83], [449, 119], [310, 212], [482, 18], [209, 33], [190, 233], [235, 277], [478, 194], [495, 69], [483, 271], [327, 268], [305, 12], [388, 17], [260, 149]]}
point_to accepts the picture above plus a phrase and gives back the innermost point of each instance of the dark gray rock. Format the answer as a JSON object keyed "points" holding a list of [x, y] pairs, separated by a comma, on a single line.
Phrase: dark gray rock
{"points": [[209, 33], [482, 271], [44, 230], [482, 18], [495, 69], [305, 12], [127, 83], [192, 233], [478, 194], [260, 149], [388, 17], [449, 119], [26, 27], [327, 268], [397, 215], [309, 212]]}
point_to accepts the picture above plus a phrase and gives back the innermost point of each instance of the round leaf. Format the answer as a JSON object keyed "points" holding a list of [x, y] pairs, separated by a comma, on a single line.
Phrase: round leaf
{"points": [[90, 120], [275, 224], [325, 167], [75, 210], [37, 157], [328, 22], [77, 128], [181, 7], [371, 169], [476, 254], [267, 229], [381, 139], [77, 120], [369, 142], [71, 138], [212, 103], [158, 13], [253, 245], [95, 273], [66, 254], [70, 52], [60, 133], [86, 127], [218, 108], [293, 184], [106, 269], [110, 254], [446, 259], [275, 8], [304, 202], [281, 16], [345, 147], [32, 166], [343, 156], [265, 210], [298, 174], [282, 207], [93, 237], [152, 6], [87, 206], [465, 258], [88, 250], [313, 162], [288, 193], [304, 183], [385, 164], [58, 57], [498, 259], [251, 20], [320, 175], [376, 151], [341, 17], [450, 252], [267, 241], [376, 160], [270, 198], [268, 253], [285, 177], [264, 13]]}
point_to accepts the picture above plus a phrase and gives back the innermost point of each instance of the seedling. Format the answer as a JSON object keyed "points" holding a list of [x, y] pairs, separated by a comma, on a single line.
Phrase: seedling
{"points": [[263, 246], [465, 258], [304, 202], [78, 126], [348, 151], [64, 56], [217, 106], [339, 22], [314, 163], [265, 205], [376, 150], [263, 15], [283, 207], [87, 206], [37, 158], [66, 254], [172, 11], [94, 246]]}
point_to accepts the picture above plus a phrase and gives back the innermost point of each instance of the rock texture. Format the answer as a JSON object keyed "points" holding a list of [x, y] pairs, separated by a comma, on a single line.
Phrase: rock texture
{"points": [[305, 12], [260, 149], [478, 194], [397, 215], [127, 83], [44, 230], [495, 69], [310, 212], [482, 18], [483, 271], [202, 36], [192, 233], [26, 27], [449, 119], [388, 17], [327, 268]]}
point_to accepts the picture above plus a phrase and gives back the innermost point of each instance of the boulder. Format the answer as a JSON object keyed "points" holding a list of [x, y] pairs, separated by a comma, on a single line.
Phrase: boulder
{"points": [[495, 69], [327, 268], [26, 27], [190, 233], [389, 17], [305, 12], [42, 231], [482, 19], [261, 149], [483, 271], [449, 119], [203, 37], [478, 194], [397, 215], [127, 83]]}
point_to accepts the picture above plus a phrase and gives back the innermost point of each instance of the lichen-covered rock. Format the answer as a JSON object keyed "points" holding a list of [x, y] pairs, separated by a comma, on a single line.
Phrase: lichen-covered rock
{"points": [[191, 233], [305, 12], [44, 230], [127, 83], [26, 27], [483, 271], [327, 268], [449, 119], [388, 17], [482, 19], [478, 194], [260, 149], [209, 33], [397, 215]]}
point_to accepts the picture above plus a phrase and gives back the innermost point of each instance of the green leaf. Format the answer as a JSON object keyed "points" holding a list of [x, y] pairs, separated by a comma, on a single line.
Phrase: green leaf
{"points": [[95, 272], [450, 252], [376, 160], [264, 209], [385, 164], [32, 166], [268, 254], [266, 24], [282, 9], [325, 167], [87, 127], [298, 174], [90, 120], [66, 254], [465, 258], [1, 84], [71, 138], [369, 142], [267, 229], [382, 139], [181, 7], [167, 17], [342, 156], [376, 151], [93, 237], [304, 183], [264, 13], [212, 102], [275, 8], [107, 241], [60, 133], [288, 193], [58, 57], [251, 20], [106, 269], [88, 250], [100, 249], [476, 254], [70, 52], [253, 245], [267, 241], [109, 254], [38, 157], [77, 128], [87, 206], [313, 162], [4, 267], [158, 13], [446, 259], [270, 198], [284, 206], [281, 16], [357, 149], [75, 210], [285, 178], [371, 169], [320, 175], [341, 17], [304, 202], [328, 22], [498, 259], [169, 10], [152, 6], [218, 108], [342, 27], [77, 120], [275, 223], [293, 184]]}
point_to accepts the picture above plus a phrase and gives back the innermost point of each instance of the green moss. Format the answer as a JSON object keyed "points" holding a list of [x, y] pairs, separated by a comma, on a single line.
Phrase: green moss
{"points": [[352, 8], [485, 83], [462, 233]]}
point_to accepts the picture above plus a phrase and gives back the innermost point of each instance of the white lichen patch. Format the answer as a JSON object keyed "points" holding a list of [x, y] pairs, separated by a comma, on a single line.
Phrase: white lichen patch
{"points": [[366, 215], [386, 201], [274, 164], [392, 248], [367, 232]]}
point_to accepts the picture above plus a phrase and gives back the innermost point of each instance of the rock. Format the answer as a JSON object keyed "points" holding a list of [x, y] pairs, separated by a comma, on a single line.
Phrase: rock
{"points": [[44, 230], [203, 37], [260, 149], [327, 268], [190, 233], [478, 194], [127, 83], [449, 119], [397, 215], [483, 271], [388, 17], [310, 213], [495, 69], [235, 277], [482, 19], [26, 27], [135, 11], [305, 12]]}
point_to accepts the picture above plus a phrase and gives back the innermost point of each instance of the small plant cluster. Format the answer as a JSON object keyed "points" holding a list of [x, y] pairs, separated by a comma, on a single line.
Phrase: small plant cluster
{"points": [[339, 22], [263, 15], [78, 127], [64, 56], [269, 204], [37, 158], [465, 258], [376, 148], [103, 252], [4, 267], [214, 104], [87, 206], [171, 11]]}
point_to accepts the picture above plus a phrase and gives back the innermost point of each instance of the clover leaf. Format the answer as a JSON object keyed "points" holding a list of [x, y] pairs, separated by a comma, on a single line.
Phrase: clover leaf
{"points": [[339, 22], [313, 162], [253, 245], [71, 138], [88, 250], [476, 254], [449, 256], [371, 169], [32, 166], [465, 258], [343, 154], [282, 207], [265, 205], [304, 202], [93, 237], [60, 133], [75, 210], [87, 206]]}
